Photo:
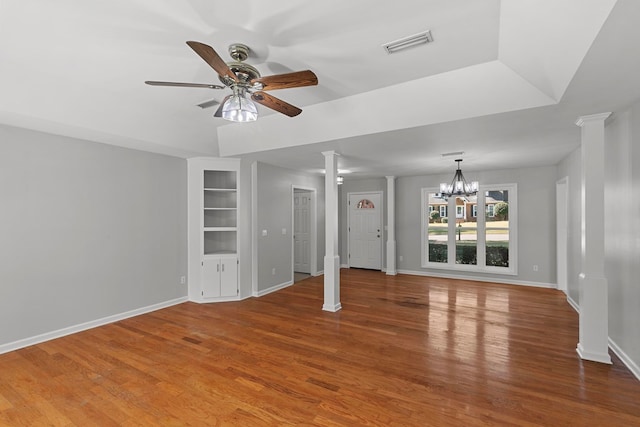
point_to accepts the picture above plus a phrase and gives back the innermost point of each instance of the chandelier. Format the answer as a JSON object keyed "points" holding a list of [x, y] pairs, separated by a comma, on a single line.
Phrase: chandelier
{"points": [[459, 186]]}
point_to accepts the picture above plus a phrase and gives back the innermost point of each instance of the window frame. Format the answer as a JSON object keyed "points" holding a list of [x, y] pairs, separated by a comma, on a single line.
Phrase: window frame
{"points": [[481, 224]]}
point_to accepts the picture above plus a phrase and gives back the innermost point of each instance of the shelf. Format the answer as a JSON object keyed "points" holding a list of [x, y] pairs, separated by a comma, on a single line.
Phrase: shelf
{"points": [[220, 200], [220, 209], [228, 190], [220, 239], [220, 180], [220, 229], [218, 253]]}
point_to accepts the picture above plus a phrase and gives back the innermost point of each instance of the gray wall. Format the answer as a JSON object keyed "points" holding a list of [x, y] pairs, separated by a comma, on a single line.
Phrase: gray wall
{"points": [[88, 231], [274, 214], [622, 229], [536, 219]]}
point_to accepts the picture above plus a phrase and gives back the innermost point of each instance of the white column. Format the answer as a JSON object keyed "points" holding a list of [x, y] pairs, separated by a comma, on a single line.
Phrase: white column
{"points": [[331, 257], [594, 316], [391, 226]]}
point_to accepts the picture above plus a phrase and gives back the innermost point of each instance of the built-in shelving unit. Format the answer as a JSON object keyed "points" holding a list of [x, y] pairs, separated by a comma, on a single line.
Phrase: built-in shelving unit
{"points": [[213, 229], [220, 212]]}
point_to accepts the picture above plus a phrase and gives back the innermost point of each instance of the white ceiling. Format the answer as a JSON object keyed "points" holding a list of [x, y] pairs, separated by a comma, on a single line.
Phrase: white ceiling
{"points": [[503, 81]]}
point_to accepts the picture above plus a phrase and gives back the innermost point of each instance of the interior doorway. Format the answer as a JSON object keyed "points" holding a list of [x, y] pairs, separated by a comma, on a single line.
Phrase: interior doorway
{"points": [[304, 225], [364, 227], [562, 233]]}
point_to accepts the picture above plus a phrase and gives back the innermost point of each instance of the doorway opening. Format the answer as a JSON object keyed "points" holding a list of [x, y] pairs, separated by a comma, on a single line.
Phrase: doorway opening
{"points": [[562, 236], [304, 226]]}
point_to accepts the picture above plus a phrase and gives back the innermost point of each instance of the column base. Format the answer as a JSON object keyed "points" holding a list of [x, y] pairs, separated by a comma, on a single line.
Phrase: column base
{"points": [[592, 356], [333, 308], [332, 283], [391, 258]]}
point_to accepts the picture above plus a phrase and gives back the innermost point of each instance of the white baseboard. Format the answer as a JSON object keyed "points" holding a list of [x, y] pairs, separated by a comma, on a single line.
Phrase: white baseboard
{"points": [[318, 273], [344, 265], [273, 289], [479, 278], [573, 304], [26, 342], [628, 362]]}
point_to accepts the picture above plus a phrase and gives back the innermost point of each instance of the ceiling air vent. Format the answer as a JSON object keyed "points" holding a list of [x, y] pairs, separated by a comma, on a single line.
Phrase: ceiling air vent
{"points": [[407, 42]]}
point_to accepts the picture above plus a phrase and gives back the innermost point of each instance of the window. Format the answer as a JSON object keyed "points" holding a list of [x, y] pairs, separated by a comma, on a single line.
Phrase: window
{"points": [[490, 211], [365, 204], [472, 243]]}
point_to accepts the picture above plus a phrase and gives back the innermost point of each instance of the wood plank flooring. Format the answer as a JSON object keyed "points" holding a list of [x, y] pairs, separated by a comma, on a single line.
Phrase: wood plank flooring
{"points": [[404, 351]]}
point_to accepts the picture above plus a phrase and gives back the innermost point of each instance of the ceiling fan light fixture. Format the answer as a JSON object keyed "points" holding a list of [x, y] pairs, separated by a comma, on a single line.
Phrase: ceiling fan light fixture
{"points": [[238, 108]]}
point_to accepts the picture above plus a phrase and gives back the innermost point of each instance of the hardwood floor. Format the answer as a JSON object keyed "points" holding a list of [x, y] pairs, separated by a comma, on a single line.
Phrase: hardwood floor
{"points": [[404, 351]]}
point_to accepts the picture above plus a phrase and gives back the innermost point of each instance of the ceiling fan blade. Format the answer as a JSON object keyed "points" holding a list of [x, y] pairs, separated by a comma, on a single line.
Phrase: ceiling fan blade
{"points": [[177, 84], [218, 112], [207, 104], [212, 58], [288, 80], [276, 104]]}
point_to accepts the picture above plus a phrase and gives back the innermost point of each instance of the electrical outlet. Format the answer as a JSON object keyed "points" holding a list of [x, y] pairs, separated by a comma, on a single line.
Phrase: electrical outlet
{"points": [[535, 267], [273, 271], [264, 232], [400, 258], [183, 280]]}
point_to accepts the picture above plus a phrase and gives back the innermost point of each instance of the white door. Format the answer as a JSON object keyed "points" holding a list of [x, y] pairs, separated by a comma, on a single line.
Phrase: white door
{"points": [[365, 230], [302, 232]]}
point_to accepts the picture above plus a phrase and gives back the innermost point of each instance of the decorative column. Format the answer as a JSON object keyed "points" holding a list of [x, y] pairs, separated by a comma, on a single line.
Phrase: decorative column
{"points": [[391, 226], [594, 313], [331, 257]]}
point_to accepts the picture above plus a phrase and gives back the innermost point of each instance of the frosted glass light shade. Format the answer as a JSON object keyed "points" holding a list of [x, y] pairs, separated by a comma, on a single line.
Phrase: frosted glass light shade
{"points": [[239, 109]]}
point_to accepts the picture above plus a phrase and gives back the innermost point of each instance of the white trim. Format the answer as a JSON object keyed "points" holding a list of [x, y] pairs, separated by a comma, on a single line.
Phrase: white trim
{"points": [[273, 289], [573, 304], [628, 362], [500, 280], [47, 336], [318, 273]]}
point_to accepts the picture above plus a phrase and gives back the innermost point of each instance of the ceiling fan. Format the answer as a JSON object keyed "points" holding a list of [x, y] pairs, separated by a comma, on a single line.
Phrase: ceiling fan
{"points": [[245, 79]]}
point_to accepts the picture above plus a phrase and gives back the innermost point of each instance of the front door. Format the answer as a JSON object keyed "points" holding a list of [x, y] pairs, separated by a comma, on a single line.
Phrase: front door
{"points": [[365, 230]]}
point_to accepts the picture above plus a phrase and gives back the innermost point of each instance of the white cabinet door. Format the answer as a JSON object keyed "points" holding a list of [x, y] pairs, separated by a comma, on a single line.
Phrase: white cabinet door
{"points": [[210, 277], [228, 277], [219, 277]]}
